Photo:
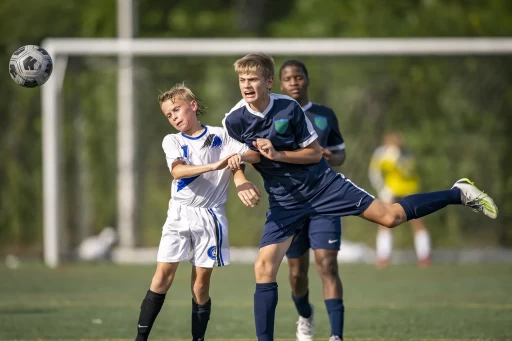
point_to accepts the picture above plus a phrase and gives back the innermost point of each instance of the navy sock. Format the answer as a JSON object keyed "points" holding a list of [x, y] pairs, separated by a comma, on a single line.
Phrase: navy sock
{"points": [[302, 305], [336, 312], [149, 310], [200, 317], [265, 303], [420, 205]]}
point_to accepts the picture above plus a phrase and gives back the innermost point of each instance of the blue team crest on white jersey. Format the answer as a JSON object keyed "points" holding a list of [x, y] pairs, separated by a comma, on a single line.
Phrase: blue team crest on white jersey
{"points": [[321, 122], [281, 125], [212, 141], [217, 142], [212, 252]]}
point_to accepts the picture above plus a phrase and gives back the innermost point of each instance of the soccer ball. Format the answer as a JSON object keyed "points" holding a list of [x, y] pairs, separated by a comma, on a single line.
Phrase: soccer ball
{"points": [[30, 66]]}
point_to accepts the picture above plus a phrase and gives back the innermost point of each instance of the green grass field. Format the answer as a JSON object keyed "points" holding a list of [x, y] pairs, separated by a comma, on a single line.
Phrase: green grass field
{"points": [[101, 302]]}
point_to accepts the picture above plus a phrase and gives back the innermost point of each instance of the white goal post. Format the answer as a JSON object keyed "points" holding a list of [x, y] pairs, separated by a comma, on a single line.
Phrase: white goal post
{"points": [[60, 49]]}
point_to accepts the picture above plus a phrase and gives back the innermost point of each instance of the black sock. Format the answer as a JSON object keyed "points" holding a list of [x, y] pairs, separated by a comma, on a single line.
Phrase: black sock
{"points": [[336, 312], [302, 305], [200, 317], [265, 303], [420, 205], [149, 310]]}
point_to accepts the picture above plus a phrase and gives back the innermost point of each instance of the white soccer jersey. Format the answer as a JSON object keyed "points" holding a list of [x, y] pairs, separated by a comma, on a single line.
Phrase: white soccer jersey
{"points": [[196, 219], [208, 189]]}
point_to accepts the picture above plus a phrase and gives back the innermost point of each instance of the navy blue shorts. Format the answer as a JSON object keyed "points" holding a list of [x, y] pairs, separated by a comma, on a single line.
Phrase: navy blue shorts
{"points": [[340, 198], [321, 232]]}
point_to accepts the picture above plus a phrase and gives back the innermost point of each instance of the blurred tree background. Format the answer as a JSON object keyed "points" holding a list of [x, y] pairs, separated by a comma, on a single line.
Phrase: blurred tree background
{"points": [[455, 112]]}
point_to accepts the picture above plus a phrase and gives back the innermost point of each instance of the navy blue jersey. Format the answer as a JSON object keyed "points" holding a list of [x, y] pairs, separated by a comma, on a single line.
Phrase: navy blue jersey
{"points": [[326, 126], [287, 127]]}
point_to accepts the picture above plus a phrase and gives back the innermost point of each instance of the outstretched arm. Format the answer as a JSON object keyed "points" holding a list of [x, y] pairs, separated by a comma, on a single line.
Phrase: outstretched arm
{"points": [[250, 156], [181, 170]]}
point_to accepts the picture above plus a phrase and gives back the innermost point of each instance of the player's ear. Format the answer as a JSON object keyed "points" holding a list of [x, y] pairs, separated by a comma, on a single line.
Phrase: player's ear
{"points": [[270, 82], [194, 105]]}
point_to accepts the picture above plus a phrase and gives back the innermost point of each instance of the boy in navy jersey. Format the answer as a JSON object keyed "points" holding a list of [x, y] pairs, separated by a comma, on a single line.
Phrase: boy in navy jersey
{"points": [[322, 233], [300, 183]]}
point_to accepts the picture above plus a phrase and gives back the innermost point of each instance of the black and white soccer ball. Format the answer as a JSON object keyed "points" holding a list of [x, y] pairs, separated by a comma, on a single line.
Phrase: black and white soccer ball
{"points": [[30, 66]]}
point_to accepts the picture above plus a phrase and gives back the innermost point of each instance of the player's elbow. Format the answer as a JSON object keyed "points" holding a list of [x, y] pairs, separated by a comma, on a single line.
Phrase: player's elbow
{"points": [[176, 170], [176, 174]]}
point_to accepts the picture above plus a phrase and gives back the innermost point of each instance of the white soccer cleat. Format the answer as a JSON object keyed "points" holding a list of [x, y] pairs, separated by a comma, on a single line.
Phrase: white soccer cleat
{"points": [[306, 326], [335, 338], [478, 200]]}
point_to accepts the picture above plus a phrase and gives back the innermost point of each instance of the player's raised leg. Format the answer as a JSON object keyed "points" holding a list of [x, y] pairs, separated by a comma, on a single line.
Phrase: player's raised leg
{"points": [[152, 303], [265, 296], [327, 266], [201, 301], [419, 205]]}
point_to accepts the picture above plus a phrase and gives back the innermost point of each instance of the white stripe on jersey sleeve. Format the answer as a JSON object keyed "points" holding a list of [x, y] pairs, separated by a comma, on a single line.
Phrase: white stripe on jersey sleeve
{"points": [[311, 130], [338, 147]]}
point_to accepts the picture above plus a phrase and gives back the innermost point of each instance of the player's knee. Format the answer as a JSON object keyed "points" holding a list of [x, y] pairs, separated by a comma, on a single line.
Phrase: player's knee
{"points": [[390, 219], [298, 273], [200, 289], [327, 267], [298, 278], [264, 269]]}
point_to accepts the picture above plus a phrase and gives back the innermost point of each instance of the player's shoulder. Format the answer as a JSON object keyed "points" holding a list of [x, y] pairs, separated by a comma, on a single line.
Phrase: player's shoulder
{"points": [[171, 137], [387, 152], [281, 97], [285, 104], [284, 100], [171, 140], [216, 130], [321, 109], [237, 108]]}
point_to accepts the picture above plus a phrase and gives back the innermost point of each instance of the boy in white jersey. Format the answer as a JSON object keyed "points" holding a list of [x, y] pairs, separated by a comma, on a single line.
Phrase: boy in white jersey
{"points": [[198, 158]]}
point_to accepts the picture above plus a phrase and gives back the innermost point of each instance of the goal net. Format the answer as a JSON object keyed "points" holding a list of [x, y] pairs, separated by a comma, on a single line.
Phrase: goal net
{"points": [[451, 99]]}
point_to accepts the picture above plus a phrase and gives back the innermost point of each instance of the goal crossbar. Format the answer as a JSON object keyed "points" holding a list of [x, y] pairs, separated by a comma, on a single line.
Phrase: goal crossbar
{"points": [[328, 46]]}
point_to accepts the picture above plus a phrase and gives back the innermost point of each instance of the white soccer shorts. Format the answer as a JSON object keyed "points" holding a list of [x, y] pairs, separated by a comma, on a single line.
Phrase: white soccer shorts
{"points": [[201, 230]]}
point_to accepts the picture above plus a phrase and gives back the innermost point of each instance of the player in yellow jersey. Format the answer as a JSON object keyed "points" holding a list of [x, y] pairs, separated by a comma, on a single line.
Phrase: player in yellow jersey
{"points": [[393, 174]]}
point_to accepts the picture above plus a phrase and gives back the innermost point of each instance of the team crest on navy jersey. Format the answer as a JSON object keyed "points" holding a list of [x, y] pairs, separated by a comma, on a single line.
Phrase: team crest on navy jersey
{"points": [[281, 125], [321, 122]]}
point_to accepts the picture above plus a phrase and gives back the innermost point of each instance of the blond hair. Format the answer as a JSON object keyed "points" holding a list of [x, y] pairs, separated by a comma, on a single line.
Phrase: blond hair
{"points": [[256, 62], [181, 91]]}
